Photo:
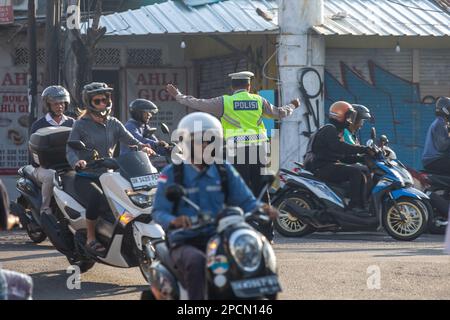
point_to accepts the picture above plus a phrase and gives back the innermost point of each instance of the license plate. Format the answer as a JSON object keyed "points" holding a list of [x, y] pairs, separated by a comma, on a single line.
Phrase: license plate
{"points": [[256, 287], [149, 181]]}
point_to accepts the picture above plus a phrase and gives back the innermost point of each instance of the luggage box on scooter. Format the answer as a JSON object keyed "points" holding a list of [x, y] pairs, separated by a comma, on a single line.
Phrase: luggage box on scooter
{"points": [[48, 146]]}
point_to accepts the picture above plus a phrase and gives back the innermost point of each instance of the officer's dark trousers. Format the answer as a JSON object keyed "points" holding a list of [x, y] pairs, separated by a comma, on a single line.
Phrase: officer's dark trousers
{"points": [[441, 165], [251, 171], [337, 172], [192, 263]]}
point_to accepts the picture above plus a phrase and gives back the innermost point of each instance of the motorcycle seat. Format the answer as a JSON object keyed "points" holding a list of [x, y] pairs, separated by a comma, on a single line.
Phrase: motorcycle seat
{"points": [[68, 182]]}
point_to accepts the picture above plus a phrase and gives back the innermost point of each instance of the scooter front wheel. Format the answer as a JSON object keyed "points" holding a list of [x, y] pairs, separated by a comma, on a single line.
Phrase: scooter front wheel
{"points": [[405, 221]]}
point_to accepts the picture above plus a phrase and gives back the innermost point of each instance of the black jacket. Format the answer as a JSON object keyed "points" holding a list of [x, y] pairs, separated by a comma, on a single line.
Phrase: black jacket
{"points": [[325, 148]]}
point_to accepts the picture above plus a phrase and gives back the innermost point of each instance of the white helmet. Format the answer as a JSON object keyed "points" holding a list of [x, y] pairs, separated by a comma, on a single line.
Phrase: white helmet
{"points": [[193, 130], [200, 122]]}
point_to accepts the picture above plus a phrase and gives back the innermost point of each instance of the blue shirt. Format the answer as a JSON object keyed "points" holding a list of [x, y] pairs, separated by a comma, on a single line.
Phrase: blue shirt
{"points": [[137, 130], [204, 188], [437, 143]]}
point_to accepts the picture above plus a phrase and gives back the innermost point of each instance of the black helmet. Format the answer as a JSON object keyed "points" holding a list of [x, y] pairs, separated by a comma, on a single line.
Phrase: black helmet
{"points": [[443, 106], [55, 94], [93, 89], [139, 106], [362, 112]]}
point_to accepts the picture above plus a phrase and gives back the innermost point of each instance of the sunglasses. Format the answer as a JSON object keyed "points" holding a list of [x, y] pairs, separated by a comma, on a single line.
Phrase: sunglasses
{"points": [[98, 101]]}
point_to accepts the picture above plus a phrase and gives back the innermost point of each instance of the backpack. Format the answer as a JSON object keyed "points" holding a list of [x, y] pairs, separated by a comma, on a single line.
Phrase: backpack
{"points": [[178, 170]]}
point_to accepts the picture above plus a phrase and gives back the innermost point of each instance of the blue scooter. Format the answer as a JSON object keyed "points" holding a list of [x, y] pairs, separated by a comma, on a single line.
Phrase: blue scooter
{"points": [[308, 204]]}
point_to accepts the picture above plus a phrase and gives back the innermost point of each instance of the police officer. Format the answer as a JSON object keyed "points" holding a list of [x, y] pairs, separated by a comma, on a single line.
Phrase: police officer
{"points": [[56, 100], [241, 116], [141, 111], [199, 175]]}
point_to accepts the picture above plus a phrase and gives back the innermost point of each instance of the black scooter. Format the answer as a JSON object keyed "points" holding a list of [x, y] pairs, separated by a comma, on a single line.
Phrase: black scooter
{"points": [[241, 263]]}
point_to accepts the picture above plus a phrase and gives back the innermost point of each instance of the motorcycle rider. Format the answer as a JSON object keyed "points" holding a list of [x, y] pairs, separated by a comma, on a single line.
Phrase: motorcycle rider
{"points": [[200, 175], [141, 111], [350, 133], [436, 154], [56, 100], [328, 157], [102, 132]]}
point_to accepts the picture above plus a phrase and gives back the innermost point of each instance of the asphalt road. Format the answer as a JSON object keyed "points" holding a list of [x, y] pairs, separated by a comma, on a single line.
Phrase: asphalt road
{"points": [[320, 266]]}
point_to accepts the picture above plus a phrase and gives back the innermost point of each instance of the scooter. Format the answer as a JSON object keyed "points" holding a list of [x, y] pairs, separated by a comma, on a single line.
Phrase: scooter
{"points": [[241, 263], [437, 187], [27, 205], [307, 204], [125, 228]]}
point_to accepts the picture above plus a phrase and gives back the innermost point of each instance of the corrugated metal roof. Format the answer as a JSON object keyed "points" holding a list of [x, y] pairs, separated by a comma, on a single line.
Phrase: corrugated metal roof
{"points": [[384, 18], [176, 17], [342, 17]]}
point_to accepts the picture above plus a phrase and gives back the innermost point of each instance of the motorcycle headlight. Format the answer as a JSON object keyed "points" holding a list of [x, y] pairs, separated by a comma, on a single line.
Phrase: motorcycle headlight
{"points": [[142, 200], [246, 247], [269, 257]]}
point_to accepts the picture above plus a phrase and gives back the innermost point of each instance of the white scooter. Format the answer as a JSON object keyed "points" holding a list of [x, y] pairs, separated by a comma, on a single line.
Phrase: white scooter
{"points": [[125, 228]]}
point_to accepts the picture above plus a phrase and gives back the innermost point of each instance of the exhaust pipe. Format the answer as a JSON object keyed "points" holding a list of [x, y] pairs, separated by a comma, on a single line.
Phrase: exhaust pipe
{"points": [[308, 216]]}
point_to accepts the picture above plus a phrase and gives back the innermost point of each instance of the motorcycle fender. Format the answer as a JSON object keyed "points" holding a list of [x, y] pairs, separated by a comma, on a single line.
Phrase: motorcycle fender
{"points": [[149, 230], [318, 188], [409, 192]]}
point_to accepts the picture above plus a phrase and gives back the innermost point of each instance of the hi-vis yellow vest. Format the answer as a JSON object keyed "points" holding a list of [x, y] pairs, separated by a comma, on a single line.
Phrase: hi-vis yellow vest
{"points": [[242, 118]]}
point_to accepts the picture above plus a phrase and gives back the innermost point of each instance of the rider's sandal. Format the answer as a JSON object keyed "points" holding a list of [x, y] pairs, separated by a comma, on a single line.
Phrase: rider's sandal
{"points": [[96, 248]]}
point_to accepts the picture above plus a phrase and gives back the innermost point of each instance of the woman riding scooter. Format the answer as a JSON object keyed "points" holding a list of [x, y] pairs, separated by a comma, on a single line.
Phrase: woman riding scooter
{"points": [[101, 132]]}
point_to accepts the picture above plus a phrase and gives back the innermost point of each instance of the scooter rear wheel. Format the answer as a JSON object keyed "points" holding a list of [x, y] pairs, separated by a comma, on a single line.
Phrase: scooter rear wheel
{"points": [[36, 236], [288, 225]]}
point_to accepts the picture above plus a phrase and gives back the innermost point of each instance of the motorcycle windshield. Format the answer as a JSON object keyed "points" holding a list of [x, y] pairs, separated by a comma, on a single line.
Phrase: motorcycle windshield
{"points": [[138, 170]]}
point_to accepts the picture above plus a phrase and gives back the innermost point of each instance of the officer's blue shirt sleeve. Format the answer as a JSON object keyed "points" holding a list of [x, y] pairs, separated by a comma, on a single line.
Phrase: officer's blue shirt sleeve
{"points": [[239, 193], [162, 208]]}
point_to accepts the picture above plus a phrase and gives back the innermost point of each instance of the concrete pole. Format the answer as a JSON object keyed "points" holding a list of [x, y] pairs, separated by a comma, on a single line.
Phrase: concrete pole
{"points": [[299, 48]]}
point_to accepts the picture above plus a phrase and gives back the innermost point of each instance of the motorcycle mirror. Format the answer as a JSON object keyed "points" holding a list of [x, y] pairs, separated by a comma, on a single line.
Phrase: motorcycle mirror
{"points": [[77, 145], [373, 134], [164, 128], [369, 143], [175, 192]]}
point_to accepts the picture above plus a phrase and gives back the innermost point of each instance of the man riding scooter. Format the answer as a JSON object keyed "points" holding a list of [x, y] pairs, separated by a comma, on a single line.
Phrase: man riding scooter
{"points": [[200, 175], [56, 99], [141, 111], [328, 157], [436, 154]]}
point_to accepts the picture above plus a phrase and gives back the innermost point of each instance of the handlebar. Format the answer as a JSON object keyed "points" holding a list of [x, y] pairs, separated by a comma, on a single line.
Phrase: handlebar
{"points": [[108, 163]]}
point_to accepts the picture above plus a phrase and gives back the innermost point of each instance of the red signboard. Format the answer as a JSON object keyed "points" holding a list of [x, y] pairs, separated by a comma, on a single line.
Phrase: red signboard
{"points": [[6, 12]]}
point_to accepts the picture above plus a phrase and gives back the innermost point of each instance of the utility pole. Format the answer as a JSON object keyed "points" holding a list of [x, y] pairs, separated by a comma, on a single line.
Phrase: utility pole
{"points": [[299, 49], [52, 29], [32, 63]]}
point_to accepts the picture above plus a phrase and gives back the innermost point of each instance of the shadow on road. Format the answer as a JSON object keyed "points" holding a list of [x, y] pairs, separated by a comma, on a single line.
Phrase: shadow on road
{"points": [[53, 286]]}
